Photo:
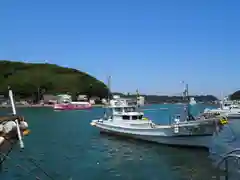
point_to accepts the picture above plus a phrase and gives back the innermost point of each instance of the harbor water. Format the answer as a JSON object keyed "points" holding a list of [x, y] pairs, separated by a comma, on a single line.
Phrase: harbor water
{"points": [[63, 145]]}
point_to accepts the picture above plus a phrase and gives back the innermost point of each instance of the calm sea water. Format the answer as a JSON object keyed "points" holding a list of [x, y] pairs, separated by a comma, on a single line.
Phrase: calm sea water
{"points": [[67, 147]]}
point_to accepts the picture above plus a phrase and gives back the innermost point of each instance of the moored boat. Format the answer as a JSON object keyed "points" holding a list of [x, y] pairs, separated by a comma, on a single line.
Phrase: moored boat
{"points": [[125, 120], [184, 130]]}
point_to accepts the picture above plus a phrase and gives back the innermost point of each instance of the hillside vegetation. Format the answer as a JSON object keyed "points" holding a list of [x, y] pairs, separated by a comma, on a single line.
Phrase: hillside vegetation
{"points": [[235, 95], [30, 80]]}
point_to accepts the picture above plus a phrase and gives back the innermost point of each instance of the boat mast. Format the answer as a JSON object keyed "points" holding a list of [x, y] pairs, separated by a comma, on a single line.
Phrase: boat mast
{"points": [[137, 97], [185, 92], [186, 98], [109, 89], [222, 101]]}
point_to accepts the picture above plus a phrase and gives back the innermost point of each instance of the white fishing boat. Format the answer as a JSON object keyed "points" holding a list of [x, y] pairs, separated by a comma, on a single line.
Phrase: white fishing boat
{"points": [[227, 107], [185, 130]]}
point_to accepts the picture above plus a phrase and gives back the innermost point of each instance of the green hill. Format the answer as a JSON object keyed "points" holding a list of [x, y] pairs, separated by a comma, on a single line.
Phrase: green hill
{"points": [[235, 95], [27, 79]]}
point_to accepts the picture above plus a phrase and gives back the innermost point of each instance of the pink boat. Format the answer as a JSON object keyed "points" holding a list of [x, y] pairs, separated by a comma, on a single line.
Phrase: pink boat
{"points": [[72, 106]]}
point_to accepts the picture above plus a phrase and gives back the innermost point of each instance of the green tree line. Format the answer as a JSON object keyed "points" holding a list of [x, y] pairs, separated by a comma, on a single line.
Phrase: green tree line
{"points": [[151, 99]]}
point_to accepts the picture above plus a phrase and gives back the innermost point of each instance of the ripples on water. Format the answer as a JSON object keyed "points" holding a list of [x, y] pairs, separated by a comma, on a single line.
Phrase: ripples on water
{"points": [[66, 146]]}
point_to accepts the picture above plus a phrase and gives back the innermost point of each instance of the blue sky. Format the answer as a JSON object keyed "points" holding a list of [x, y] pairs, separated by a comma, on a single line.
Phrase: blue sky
{"points": [[147, 44]]}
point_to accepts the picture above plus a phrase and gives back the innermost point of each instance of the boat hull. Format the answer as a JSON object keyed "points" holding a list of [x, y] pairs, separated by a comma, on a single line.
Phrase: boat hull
{"points": [[162, 135], [190, 141], [71, 107]]}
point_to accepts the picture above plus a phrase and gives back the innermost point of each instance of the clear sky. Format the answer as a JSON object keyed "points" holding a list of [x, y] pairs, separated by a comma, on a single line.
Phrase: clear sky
{"points": [[147, 44]]}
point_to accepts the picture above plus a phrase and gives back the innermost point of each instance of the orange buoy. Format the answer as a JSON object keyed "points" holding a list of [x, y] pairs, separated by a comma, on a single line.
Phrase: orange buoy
{"points": [[26, 132]]}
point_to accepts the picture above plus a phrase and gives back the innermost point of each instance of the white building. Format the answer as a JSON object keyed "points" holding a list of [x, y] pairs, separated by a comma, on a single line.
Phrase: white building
{"points": [[64, 98], [141, 100]]}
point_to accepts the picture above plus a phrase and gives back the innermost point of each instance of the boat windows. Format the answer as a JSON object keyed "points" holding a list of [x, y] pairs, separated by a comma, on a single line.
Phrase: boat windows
{"points": [[126, 117], [134, 117], [141, 116], [129, 109], [118, 109]]}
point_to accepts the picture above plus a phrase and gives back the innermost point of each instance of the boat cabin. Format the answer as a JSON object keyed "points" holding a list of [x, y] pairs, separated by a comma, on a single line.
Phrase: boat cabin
{"points": [[123, 113]]}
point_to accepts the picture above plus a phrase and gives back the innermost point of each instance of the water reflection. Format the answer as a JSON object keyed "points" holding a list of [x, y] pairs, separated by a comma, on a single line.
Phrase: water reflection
{"points": [[152, 160]]}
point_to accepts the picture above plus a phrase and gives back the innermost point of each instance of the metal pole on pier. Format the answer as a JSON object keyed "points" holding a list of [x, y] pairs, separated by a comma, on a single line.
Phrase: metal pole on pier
{"points": [[16, 121]]}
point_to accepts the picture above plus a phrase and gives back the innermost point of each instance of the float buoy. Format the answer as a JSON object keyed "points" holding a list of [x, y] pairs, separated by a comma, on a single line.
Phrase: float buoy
{"points": [[1, 140], [176, 126], [23, 125], [26, 132], [223, 120], [9, 126], [93, 124]]}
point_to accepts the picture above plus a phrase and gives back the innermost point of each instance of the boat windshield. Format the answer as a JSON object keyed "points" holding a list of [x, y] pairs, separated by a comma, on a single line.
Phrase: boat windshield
{"points": [[126, 117], [118, 109], [130, 109], [137, 117]]}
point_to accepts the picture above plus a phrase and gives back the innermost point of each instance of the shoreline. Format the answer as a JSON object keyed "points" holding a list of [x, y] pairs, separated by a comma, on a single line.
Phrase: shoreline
{"points": [[39, 105]]}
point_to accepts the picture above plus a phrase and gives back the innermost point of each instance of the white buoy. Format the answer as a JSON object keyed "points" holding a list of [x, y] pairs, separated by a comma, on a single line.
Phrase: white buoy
{"points": [[176, 126], [9, 126], [23, 125], [16, 121], [1, 140]]}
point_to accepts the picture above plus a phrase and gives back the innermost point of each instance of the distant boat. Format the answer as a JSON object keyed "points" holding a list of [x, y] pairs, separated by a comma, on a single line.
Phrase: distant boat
{"points": [[227, 107], [192, 101]]}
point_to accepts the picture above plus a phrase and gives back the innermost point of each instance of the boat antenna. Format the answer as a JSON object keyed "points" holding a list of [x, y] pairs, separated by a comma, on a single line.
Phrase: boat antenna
{"points": [[16, 121]]}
